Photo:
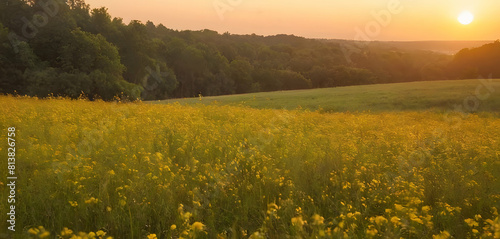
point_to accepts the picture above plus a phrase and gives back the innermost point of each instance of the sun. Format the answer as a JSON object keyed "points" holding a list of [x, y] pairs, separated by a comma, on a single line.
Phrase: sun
{"points": [[465, 18]]}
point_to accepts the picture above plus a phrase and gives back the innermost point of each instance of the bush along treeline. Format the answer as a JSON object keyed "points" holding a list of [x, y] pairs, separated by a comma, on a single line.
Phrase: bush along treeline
{"points": [[64, 48]]}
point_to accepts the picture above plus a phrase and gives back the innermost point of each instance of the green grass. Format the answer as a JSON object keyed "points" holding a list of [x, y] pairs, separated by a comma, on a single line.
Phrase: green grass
{"points": [[413, 96]]}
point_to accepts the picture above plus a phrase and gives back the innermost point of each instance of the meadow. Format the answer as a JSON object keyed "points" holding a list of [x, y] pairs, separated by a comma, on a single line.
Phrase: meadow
{"points": [[137, 170], [411, 96]]}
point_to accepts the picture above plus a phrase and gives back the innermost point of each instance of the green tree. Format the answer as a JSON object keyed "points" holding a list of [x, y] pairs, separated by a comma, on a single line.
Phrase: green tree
{"points": [[191, 69], [241, 73], [159, 82], [93, 55], [293, 80], [11, 68], [267, 79]]}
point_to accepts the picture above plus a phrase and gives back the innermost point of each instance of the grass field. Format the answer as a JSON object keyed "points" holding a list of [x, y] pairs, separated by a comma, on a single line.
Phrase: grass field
{"points": [[140, 170], [413, 96]]}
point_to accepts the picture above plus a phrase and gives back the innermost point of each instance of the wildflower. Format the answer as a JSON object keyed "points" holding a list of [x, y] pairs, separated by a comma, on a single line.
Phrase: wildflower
{"points": [[197, 226], [371, 231], [416, 219], [180, 209], [318, 220], [341, 224], [272, 206], [297, 221], [256, 235], [40, 232], [73, 203], [442, 235], [92, 200], [173, 227], [426, 209], [186, 216], [380, 220], [395, 220], [152, 236], [471, 222], [44, 234], [33, 231], [101, 233], [66, 232]]}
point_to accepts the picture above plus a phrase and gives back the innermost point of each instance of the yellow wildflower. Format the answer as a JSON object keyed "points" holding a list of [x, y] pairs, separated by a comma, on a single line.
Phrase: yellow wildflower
{"points": [[33, 231], [66, 232], [395, 220], [44, 234], [100, 233], [92, 200], [371, 231], [297, 221], [442, 235], [152, 236], [380, 220], [426, 208], [318, 220], [197, 226], [471, 222], [256, 235]]}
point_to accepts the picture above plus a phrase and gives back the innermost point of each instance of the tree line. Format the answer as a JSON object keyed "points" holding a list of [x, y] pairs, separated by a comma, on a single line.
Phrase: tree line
{"points": [[63, 47]]}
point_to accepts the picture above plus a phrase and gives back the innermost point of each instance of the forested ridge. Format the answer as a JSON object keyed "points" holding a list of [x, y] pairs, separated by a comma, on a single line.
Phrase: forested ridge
{"points": [[63, 47]]}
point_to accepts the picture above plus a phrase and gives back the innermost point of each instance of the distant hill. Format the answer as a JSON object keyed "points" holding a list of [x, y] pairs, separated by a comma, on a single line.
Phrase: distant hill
{"points": [[444, 47]]}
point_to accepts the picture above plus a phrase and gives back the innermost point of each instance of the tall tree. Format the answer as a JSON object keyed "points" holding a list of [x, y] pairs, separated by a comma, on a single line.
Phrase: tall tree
{"points": [[241, 73]]}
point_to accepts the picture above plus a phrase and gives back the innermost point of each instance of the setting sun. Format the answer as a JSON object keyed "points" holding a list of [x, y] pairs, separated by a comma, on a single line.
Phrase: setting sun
{"points": [[465, 18]]}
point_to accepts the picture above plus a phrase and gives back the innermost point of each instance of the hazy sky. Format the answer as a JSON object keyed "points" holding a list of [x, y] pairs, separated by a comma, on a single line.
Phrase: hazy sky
{"points": [[344, 19]]}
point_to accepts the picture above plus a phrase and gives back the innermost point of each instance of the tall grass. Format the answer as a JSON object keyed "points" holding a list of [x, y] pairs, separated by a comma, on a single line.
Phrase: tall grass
{"points": [[143, 171]]}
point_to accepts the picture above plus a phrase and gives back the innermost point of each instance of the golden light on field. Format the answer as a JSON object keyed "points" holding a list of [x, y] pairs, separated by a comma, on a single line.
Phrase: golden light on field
{"points": [[93, 159], [465, 18]]}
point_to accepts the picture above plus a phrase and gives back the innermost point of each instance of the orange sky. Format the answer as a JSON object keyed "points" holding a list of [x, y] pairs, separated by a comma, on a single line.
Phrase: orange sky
{"points": [[355, 19]]}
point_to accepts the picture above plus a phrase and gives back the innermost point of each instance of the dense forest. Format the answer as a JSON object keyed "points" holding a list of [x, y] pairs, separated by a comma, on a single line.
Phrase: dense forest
{"points": [[62, 47]]}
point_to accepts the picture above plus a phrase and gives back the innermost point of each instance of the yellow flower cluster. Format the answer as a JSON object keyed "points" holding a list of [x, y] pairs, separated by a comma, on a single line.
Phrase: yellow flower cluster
{"points": [[67, 233]]}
